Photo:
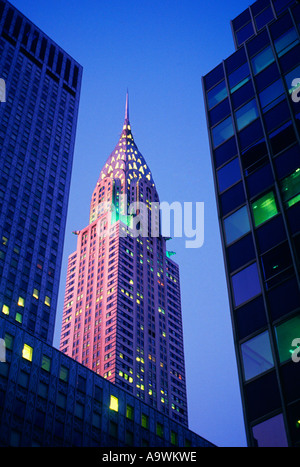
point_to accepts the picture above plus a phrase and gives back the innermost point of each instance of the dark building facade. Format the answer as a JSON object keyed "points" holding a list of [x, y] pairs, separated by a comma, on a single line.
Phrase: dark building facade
{"points": [[40, 87], [48, 399], [253, 116]]}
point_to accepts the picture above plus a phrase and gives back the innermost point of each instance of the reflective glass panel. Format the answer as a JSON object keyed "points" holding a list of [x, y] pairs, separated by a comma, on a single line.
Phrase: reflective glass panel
{"points": [[217, 94], [229, 174], [239, 77], [272, 95], [263, 18], [246, 284], [246, 114], [222, 131], [291, 77], [244, 33], [286, 42], [257, 355], [264, 208], [270, 433], [236, 225], [262, 60]]}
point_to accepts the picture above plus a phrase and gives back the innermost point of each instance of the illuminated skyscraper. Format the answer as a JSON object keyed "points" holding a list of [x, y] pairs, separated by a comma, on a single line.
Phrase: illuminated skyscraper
{"points": [[122, 309]]}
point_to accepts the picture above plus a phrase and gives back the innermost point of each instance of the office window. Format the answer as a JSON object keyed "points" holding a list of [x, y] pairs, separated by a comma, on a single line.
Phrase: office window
{"points": [[46, 363], [222, 131], [276, 260], [239, 77], [21, 302], [244, 33], [285, 335], [5, 310], [145, 421], [290, 188], [64, 373], [114, 403], [257, 355], [270, 433], [246, 284], [229, 174], [129, 412], [174, 438], [159, 429], [262, 60], [246, 114], [286, 42], [264, 208], [27, 352], [217, 94], [236, 225], [232, 198], [272, 95], [264, 17]]}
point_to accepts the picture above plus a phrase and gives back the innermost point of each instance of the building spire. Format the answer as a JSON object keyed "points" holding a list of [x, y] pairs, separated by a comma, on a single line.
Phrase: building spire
{"points": [[127, 108]]}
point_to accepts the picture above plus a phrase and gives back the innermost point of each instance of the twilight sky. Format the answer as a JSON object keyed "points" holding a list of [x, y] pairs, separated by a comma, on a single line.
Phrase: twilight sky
{"points": [[159, 50]]}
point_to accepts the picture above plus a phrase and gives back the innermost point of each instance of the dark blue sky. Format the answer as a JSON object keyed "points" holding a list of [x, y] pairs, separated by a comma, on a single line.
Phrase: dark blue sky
{"points": [[159, 49]]}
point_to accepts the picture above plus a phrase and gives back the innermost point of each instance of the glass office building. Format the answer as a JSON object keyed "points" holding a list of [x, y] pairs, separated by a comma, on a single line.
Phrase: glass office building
{"points": [[39, 98], [252, 102]]}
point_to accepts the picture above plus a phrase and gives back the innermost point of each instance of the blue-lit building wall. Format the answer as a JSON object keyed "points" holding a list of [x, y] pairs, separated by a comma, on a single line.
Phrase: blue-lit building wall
{"points": [[38, 117], [49, 399], [252, 102]]}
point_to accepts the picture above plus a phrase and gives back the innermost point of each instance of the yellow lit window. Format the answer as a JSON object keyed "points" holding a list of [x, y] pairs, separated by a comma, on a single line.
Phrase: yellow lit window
{"points": [[114, 403], [21, 301], [27, 352], [35, 293], [5, 309], [47, 301]]}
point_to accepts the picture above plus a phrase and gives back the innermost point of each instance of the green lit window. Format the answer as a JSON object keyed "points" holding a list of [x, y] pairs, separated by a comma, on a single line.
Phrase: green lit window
{"points": [[8, 341], [285, 335], [19, 318], [174, 438], [145, 421], [217, 94], [222, 131], [5, 310], [46, 363], [286, 42], [27, 352], [262, 60], [257, 355], [246, 114], [129, 412], [114, 403], [64, 373], [159, 429], [264, 208], [290, 187]]}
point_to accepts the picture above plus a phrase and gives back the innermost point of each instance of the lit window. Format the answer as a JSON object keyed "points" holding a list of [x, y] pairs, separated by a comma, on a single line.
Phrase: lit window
{"points": [[46, 363], [19, 318], [129, 412], [236, 225], [246, 114], [290, 187], [27, 352], [5, 309], [159, 429], [264, 208], [114, 403], [64, 373], [257, 355], [47, 301], [145, 421], [174, 439], [35, 293], [21, 301]]}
